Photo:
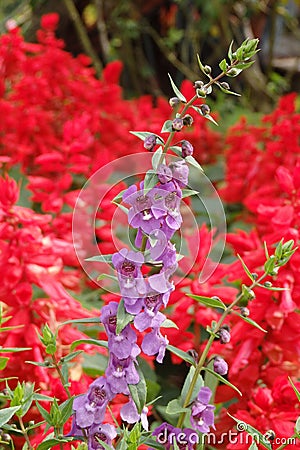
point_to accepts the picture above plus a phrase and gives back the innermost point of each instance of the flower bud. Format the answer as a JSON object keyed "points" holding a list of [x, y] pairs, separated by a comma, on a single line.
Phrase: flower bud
{"points": [[150, 142], [198, 84], [205, 109], [188, 120], [207, 70], [180, 172], [225, 85], [267, 284], [177, 124], [5, 437], [174, 101], [220, 366], [224, 335], [164, 173], [187, 149], [244, 311]]}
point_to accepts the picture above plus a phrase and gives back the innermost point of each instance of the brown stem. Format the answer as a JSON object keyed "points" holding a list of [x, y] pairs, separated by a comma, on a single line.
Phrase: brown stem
{"points": [[61, 377], [83, 36], [24, 432]]}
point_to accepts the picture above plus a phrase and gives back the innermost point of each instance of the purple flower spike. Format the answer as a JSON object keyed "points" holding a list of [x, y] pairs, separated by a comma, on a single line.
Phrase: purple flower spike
{"points": [[104, 432], [155, 343], [90, 407], [202, 417], [121, 372]]}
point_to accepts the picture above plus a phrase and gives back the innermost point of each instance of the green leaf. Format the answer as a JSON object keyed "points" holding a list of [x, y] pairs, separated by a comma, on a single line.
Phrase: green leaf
{"points": [[245, 268], [118, 197], [89, 341], [122, 207], [192, 161], [144, 134], [14, 350], [150, 180], [174, 408], [168, 323], [3, 362], [252, 322], [181, 354], [123, 317], [104, 276], [49, 443], [202, 68], [153, 444], [103, 445], [222, 379], [101, 258], [212, 302], [199, 383], [230, 53], [44, 413], [295, 389], [167, 127], [176, 149], [156, 158], [297, 426], [227, 91], [211, 119], [139, 391], [177, 91], [272, 288], [42, 397], [188, 193], [7, 413], [40, 364], [50, 349], [253, 446], [71, 356], [223, 65], [66, 409], [85, 320], [244, 65], [242, 426]]}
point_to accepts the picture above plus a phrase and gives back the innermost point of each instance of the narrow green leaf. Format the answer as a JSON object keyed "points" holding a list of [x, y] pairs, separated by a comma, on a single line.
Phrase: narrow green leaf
{"points": [[44, 413], [253, 446], [168, 323], [222, 379], [201, 66], [144, 134], [104, 276], [211, 119], [118, 197], [227, 91], [150, 180], [72, 355], [191, 160], [103, 445], [90, 342], [3, 362], [156, 158], [188, 193], [100, 258], [139, 391], [174, 408], [295, 389], [251, 322], [66, 409], [167, 127], [230, 53], [49, 443], [187, 384], [245, 268], [212, 302], [40, 364], [176, 149], [42, 397], [181, 354], [7, 413], [14, 350], [123, 317], [85, 320], [297, 426], [244, 65], [272, 288], [242, 426], [122, 207], [177, 91]]}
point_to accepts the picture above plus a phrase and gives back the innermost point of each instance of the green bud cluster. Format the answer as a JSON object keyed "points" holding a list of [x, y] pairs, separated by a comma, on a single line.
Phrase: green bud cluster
{"points": [[48, 338]]}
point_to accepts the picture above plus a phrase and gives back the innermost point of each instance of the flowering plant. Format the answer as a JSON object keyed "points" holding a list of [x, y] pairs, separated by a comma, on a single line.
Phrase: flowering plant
{"points": [[146, 274]]}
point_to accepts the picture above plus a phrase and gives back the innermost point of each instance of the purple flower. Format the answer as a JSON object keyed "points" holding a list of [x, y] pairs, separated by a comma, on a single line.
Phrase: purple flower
{"points": [[128, 265], [104, 432], [155, 343], [180, 172], [90, 407], [187, 149], [164, 173], [202, 416], [121, 372], [129, 413], [220, 366], [150, 142], [120, 344]]}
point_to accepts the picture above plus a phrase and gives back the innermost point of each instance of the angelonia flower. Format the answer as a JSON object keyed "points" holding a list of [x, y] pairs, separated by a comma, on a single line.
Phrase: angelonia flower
{"points": [[224, 335], [186, 148], [150, 142], [202, 416], [220, 366]]}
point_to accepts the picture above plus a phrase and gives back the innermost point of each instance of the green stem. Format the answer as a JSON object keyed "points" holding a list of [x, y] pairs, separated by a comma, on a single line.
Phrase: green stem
{"points": [[202, 360], [288, 441], [24, 432], [61, 377]]}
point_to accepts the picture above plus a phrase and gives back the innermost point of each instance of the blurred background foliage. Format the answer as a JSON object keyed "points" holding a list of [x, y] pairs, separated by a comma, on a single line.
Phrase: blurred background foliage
{"points": [[155, 37]]}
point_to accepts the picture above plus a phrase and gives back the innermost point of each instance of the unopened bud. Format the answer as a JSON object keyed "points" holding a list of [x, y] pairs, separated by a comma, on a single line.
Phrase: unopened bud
{"points": [[207, 70], [187, 149], [205, 109], [164, 173], [225, 85], [188, 120], [150, 142], [224, 335], [177, 124], [198, 84], [244, 311], [5, 437], [220, 366], [174, 101], [267, 284]]}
